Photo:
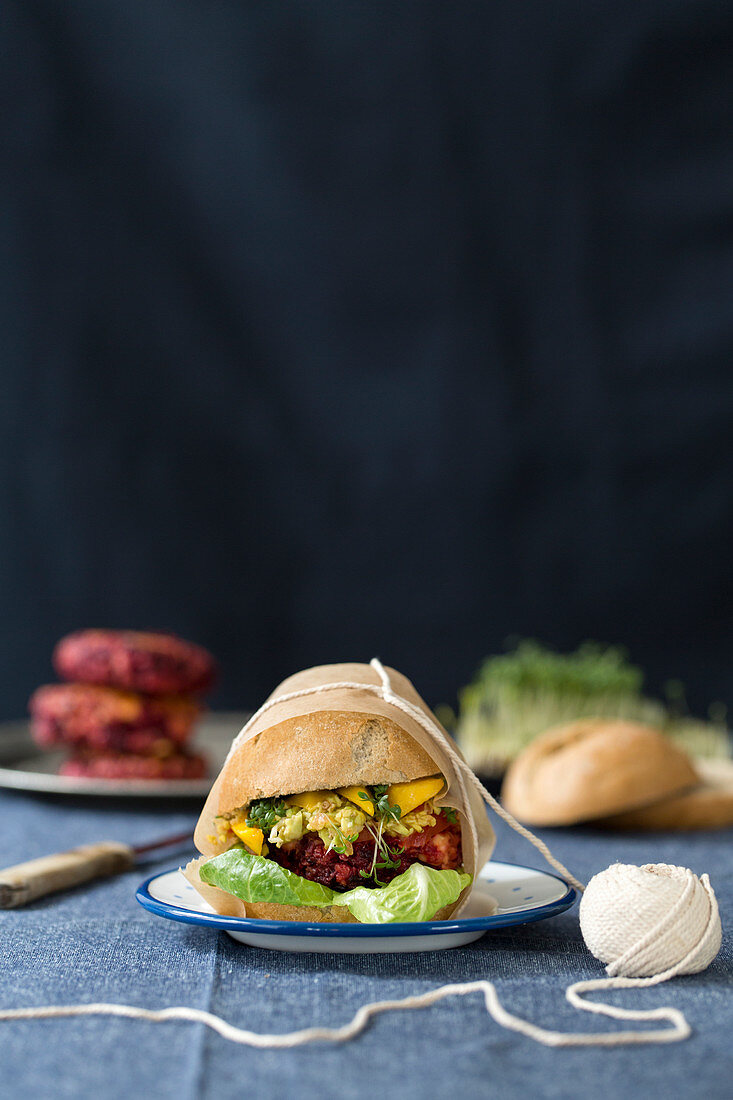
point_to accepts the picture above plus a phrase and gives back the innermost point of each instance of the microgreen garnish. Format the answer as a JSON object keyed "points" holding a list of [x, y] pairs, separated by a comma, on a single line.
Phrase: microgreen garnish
{"points": [[384, 857], [264, 813], [381, 803], [450, 813], [340, 844]]}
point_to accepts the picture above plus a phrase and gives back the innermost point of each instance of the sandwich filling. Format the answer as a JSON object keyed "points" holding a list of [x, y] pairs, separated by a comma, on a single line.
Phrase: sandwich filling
{"points": [[352, 837]]}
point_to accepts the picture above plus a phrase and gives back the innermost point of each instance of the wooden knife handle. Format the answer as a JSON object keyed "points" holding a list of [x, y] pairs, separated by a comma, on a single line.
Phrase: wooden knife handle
{"points": [[27, 881]]}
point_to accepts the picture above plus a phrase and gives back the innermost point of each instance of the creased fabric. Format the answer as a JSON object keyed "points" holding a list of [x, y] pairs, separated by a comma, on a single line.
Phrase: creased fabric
{"points": [[98, 944]]}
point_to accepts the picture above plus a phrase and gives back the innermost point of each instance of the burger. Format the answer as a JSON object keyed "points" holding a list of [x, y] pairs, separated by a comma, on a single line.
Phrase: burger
{"points": [[336, 805]]}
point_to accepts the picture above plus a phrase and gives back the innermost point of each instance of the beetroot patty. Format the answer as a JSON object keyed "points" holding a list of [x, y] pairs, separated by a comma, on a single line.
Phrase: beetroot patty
{"points": [[126, 766], [155, 663], [100, 718], [437, 846]]}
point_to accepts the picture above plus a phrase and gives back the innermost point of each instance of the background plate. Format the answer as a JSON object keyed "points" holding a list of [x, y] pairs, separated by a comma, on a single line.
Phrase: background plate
{"points": [[25, 767], [505, 894]]}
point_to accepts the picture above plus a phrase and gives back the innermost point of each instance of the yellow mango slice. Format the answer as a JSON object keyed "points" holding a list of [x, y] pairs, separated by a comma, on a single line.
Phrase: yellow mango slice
{"points": [[409, 795], [309, 800], [253, 838], [360, 797]]}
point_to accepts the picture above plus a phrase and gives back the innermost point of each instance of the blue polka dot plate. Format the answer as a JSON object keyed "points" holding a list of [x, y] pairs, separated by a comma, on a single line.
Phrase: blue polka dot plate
{"points": [[505, 894]]}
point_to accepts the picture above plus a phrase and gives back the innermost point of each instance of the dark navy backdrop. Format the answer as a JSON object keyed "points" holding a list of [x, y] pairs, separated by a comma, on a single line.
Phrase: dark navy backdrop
{"points": [[334, 328]]}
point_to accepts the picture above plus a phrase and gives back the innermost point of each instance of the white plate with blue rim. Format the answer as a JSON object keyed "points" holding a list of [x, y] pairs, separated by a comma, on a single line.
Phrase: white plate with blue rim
{"points": [[505, 894]]}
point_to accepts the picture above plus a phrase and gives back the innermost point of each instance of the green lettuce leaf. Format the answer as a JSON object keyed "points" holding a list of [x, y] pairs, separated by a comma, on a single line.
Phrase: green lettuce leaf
{"points": [[415, 895], [254, 878]]}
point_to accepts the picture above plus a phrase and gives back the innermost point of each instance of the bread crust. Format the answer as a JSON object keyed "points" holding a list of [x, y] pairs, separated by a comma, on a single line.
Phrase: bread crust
{"points": [[322, 751], [594, 768], [311, 913], [335, 914], [709, 806]]}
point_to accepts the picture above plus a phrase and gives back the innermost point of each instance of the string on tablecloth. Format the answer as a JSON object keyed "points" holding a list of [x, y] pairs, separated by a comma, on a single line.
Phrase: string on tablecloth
{"points": [[680, 1029], [680, 933]]}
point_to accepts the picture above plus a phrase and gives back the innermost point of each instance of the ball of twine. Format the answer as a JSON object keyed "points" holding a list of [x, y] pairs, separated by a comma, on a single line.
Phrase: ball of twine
{"points": [[656, 920]]}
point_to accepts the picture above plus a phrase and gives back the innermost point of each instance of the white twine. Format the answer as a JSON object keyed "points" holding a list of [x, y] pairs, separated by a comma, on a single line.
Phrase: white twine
{"points": [[360, 1020], [675, 912]]}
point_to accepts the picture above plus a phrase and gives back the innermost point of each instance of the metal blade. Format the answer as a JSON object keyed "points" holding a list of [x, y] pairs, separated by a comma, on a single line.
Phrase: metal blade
{"points": [[165, 842]]}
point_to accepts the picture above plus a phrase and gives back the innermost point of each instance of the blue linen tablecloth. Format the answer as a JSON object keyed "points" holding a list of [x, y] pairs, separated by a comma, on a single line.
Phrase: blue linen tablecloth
{"points": [[97, 944]]}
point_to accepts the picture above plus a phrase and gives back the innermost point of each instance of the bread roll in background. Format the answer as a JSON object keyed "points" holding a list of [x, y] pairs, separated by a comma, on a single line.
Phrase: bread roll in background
{"points": [[709, 806], [595, 768]]}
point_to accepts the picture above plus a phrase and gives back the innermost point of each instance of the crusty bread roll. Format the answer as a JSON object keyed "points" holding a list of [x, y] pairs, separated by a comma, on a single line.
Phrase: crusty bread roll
{"points": [[322, 751], [594, 768], [709, 806], [338, 737]]}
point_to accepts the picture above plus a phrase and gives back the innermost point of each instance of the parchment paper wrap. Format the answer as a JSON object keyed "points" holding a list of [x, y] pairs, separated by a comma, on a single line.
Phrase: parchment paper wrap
{"points": [[476, 831]]}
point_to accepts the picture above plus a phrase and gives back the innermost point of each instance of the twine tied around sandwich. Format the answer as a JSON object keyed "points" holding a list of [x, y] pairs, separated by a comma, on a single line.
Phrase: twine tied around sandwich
{"points": [[385, 690], [648, 924]]}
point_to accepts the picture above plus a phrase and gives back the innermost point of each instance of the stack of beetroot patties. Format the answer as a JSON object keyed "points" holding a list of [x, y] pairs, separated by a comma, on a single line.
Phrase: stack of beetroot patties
{"points": [[129, 706]]}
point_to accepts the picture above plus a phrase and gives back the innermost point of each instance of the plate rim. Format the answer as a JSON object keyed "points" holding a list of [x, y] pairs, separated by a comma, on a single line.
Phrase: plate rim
{"points": [[258, 925], [50, 783], [213, 735]]}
